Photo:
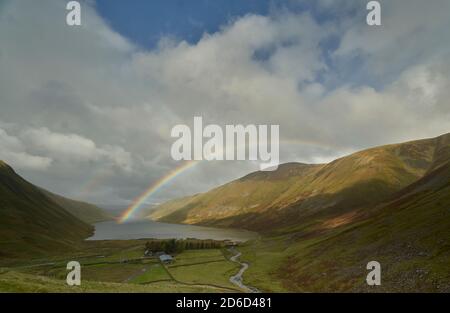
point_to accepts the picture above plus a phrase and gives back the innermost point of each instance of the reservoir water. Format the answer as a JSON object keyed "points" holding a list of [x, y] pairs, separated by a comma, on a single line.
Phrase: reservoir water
{"points": [[150, 229]]}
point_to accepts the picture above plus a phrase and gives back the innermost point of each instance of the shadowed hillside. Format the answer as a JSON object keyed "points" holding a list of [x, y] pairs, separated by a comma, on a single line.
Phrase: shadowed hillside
{"points": [[409, 235], [30, 222]]}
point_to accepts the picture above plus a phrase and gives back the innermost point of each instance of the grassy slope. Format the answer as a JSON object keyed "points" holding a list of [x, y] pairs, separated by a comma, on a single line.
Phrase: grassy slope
{"points": [[86, 212], [268, 200], [409, 235], [31, 223], [209, 267]]}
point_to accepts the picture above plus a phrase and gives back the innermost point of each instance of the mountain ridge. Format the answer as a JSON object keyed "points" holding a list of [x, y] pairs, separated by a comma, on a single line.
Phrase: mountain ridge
{"points": [[296, 190]]}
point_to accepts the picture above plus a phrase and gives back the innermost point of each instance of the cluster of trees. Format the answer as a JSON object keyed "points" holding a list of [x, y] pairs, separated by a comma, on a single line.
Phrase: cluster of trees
{"points": [[176, 246]]}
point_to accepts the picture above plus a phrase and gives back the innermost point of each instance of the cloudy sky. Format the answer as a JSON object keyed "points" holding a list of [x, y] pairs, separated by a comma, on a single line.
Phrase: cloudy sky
{"points": [[87, 111]]}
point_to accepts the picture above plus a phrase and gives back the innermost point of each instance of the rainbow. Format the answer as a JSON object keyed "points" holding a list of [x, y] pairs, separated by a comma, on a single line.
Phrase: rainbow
{"points": [[136, 204]]}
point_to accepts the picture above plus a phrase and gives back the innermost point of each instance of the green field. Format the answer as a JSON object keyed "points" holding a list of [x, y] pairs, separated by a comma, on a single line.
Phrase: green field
{"points": [[119, 266], [153, 272], [209, 267]]}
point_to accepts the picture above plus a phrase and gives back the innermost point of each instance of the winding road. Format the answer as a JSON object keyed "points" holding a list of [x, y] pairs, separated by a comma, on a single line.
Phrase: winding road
{"points": [[237, 279]]}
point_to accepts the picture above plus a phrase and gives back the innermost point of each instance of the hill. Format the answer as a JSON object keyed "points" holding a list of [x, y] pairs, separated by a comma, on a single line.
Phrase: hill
{"points": [[32, 224], [86, 212], [409, 234], [267, 201]]}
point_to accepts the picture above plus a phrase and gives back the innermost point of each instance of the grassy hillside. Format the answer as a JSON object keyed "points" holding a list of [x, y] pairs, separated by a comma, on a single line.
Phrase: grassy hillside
{"points": [[409, 235], [31, 224], [271, 200], [86, 212]]}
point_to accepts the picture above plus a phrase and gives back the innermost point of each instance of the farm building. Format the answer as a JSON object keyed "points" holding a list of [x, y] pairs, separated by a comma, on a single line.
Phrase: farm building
{"points": [[166, 259]]}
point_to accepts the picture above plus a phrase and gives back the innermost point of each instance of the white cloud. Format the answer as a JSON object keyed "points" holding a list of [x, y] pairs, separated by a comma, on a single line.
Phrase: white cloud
{"points": [[72, 147], [13, 152], [65, 145]]}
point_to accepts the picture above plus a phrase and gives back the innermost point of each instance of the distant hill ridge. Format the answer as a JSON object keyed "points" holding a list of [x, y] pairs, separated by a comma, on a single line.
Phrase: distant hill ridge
{"points": [[86, 212]]}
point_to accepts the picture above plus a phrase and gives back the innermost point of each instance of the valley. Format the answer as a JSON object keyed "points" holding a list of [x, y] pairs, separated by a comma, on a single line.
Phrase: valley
{"points": [[318, 226]]}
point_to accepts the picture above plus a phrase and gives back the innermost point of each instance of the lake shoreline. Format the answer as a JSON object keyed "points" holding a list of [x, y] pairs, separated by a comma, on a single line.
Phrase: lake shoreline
{"points": [[147, 229]]}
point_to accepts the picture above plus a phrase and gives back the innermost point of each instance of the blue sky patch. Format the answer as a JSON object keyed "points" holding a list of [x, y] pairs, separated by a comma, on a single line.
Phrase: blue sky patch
{"points": [[145, 22]]}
